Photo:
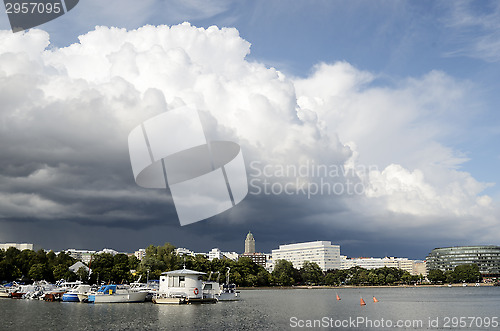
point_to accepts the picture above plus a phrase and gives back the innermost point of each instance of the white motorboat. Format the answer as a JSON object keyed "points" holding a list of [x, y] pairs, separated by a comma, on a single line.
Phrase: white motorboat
{"points": [[117, 294], [228, 291], [73, 294]]}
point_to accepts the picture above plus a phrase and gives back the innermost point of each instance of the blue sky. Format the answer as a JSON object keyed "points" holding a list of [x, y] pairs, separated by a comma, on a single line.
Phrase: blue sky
{"points": [[437, 60]]}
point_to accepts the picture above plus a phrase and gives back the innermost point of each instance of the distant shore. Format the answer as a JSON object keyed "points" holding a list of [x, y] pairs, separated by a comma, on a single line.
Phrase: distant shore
{"points": [[302, 287]]}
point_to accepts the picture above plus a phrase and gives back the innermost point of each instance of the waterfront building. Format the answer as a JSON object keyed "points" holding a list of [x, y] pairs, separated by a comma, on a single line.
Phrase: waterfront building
{"points": [[258, 258], [184, 251], [249, 244], [140, 253], [20, 247], [420, 268], [215, 253], [108, 251], [345, 262], [414, 267], [487, 258], [326, 255], [80, 254]]}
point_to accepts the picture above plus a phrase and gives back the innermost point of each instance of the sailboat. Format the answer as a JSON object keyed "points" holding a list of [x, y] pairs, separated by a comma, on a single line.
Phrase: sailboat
{"points": [[362, 302]]}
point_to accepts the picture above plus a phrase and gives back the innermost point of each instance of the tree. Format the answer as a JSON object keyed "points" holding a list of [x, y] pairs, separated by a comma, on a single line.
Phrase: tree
{"points": [[311, 273], [37, 271], [468, 273], [390, 279], [436, 276], [61, 271], [284, 273], [449, 276]]}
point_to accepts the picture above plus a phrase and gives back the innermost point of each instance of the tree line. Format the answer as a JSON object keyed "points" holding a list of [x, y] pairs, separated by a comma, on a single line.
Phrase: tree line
{"points": [[28, 265], [465, 273]]}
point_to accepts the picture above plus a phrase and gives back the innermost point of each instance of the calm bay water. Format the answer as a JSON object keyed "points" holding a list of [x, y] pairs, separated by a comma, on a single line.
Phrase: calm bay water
{"points": [[272, 310]]}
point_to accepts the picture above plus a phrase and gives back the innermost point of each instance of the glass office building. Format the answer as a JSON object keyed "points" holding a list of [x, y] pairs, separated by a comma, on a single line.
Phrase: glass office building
{"points": [[447, 258]]}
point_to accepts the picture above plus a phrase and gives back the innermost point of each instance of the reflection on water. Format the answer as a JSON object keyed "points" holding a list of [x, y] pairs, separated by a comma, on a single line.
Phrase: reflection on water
{"points": [[263, 309]]}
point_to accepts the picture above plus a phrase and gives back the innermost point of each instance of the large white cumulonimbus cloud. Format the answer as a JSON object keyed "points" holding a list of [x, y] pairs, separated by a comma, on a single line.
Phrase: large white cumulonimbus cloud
{"points": [[66, 112]]}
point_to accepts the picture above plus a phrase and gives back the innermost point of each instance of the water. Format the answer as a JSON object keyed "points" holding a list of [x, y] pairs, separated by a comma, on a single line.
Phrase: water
{"points": [[271, 310]]}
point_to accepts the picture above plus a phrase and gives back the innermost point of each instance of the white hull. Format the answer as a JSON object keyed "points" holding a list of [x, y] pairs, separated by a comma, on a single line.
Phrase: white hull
{"points": [[170, 301], [121, 298], [228, 297]]}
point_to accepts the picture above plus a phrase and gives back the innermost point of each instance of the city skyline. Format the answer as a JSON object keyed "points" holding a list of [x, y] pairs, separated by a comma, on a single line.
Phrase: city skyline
{"points": [[370, 125]]}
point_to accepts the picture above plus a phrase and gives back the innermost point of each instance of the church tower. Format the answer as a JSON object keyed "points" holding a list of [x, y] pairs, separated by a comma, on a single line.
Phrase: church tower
{"points": [[249, 244]]}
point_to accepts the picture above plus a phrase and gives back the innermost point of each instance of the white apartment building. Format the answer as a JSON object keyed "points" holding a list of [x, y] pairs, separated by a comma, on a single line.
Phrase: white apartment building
{"points": [[20, 247], [420, 268], [215, 253], [346, 263], [80, 254], [108, 251], [184, 251], [326, 255], [140, 253], [412, 266]]}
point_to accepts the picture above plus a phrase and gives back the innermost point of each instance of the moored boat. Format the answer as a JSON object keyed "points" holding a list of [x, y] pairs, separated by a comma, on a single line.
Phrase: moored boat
{"points": [[117, 294], [228, 291], [73, 294]]}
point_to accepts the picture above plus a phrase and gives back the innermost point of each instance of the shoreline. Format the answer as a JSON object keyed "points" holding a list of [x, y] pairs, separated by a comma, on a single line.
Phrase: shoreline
{"points": [[305, 287]]}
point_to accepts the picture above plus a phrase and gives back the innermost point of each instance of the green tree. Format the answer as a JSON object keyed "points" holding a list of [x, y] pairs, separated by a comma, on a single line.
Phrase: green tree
{"points": [[37, 271], [284, 273], [390, 279], [468, 273], [311, 273], [450, 276], [436, 276]]}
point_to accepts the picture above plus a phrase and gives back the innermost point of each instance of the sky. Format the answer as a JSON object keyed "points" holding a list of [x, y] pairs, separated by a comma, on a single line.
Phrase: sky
{"points": [[370, 124]]}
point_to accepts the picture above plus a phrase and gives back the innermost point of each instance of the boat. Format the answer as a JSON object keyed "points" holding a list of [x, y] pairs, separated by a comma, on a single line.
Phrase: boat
{"points": [[21, 291], [117, 294], [183, 286], [228, 291], [73, 294], [5, 293]]}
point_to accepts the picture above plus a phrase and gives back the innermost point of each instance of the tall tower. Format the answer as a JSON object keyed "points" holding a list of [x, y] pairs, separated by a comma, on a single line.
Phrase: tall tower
{"points": [[249, 244]]}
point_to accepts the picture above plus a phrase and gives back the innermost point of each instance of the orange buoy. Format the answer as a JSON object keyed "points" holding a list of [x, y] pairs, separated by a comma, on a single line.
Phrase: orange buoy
{"points": [[362, 302], [375, 299], [338, 298]]}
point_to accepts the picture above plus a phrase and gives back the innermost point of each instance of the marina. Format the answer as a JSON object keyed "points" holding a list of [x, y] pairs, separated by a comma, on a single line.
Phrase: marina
{"points": [[182, 286]]}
